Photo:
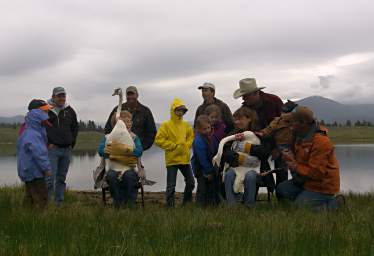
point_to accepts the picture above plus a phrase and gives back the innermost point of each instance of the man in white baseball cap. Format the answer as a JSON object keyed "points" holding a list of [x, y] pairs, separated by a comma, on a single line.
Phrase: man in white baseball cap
{"points": [[208, 93]]}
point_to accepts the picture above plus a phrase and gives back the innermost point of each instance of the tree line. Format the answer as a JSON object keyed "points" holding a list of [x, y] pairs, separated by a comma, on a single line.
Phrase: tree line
{"points": [[89, 125], [348, 123]]}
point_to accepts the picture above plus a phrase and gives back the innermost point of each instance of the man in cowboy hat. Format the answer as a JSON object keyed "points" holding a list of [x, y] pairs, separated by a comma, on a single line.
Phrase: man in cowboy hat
{"points": [[267, 106]]}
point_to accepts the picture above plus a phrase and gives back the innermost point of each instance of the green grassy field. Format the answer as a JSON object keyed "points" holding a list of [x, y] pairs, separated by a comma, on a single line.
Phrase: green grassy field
{"points": [[352, 135], [88, 141], [84, 227]]}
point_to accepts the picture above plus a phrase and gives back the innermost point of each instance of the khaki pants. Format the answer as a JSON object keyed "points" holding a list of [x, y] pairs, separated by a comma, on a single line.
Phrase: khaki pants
{"points": [[36, 193]]}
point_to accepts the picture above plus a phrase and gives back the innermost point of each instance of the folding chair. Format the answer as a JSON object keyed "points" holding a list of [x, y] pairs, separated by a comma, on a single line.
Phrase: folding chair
{"points": [[140, 186]]}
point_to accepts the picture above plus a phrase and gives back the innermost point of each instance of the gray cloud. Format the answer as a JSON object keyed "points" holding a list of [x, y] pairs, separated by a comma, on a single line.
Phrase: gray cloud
{"points": [[168, 48]]}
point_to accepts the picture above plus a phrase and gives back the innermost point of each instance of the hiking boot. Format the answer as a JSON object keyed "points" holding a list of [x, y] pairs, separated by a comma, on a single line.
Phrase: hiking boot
{"points": [[340, 200]]}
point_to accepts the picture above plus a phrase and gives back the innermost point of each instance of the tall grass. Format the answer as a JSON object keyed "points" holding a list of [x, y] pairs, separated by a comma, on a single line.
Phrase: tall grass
{"points": [[84, 227]]}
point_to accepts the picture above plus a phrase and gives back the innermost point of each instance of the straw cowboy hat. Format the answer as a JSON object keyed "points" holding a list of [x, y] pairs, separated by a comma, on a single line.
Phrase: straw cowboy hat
{"points": [[247, 85]]}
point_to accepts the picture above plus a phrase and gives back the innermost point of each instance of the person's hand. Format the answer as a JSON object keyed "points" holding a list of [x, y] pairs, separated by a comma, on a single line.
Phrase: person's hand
{"points": [[48, 173], [239, 136], [292, 166], [141, 174], [275, 154], [181, 146], [288, 156], [241, 146], [51, 146], [259, 134], [210, 177]]}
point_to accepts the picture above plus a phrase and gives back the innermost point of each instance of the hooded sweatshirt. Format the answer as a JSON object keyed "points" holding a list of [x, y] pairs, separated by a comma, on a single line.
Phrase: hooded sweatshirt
{"points": [[64, 130], [32, 152], [175, 137]]}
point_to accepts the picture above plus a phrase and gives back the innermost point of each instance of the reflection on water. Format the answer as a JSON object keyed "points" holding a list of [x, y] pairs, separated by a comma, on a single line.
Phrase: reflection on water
{"points": [[355, 162]]}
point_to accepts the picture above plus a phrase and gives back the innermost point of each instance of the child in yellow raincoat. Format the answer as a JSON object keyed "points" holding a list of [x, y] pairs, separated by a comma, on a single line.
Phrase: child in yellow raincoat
{"points": [[175, 137]]}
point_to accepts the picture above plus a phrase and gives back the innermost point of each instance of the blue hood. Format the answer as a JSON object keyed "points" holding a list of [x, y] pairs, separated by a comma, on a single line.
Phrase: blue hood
{"points": [[35, 117], [32, 152]]}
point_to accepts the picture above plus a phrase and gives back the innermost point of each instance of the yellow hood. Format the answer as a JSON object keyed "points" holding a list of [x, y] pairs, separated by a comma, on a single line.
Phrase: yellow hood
{"points": [[175, 104]]}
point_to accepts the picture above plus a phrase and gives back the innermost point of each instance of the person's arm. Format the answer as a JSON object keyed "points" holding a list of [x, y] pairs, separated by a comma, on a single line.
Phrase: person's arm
{"points": [[39, 152], [318, 160], [74, 128], [108, 126], [227, 118], [229, 156], [197, 114], [278, 106], [101, 147], [200, 150], [189, 137], [269, 130], [263, 150], [150, 130], [138, 149], [162, 139]]}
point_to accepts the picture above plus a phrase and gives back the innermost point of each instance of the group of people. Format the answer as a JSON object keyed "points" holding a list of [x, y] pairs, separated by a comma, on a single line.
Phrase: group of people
{"points": [[286, 134]]}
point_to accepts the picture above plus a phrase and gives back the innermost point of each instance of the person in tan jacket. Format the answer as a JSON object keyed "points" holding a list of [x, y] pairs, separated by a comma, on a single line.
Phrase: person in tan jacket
{"points": [[280, 127], [313, 157]]}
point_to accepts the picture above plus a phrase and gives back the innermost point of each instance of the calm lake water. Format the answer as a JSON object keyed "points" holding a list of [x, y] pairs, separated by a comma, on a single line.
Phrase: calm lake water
{"points": [[356, 163]]}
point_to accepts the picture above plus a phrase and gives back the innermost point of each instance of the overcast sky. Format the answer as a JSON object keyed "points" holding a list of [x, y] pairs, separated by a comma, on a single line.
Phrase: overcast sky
{"points": [[168, 48]]}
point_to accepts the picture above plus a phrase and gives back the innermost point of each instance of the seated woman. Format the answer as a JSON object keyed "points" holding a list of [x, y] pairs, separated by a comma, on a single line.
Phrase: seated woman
{"points": [[123, 186], [240, 153]]}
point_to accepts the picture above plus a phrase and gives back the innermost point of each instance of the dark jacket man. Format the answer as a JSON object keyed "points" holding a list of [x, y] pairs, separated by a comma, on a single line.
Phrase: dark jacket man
{"points": [[208, 91], [143, 123], [64, 130]]}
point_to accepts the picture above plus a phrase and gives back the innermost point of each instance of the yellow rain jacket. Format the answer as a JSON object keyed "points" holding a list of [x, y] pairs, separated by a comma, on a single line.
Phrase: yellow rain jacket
{"points": [[175, 137]]}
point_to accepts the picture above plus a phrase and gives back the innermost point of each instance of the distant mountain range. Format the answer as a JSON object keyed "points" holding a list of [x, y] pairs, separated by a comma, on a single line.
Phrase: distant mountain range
{"points": [[12, 119], [323, 108], [331, 111]]}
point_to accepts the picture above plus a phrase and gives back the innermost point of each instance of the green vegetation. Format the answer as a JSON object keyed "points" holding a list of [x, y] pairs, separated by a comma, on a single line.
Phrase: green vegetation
{"points": [[352, 135], [84, 227], [88, 141]]}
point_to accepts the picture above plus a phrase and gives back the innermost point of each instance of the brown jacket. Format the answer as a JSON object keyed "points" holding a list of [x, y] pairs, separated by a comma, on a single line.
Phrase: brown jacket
{"points": [[316, 160], [280, 129]]}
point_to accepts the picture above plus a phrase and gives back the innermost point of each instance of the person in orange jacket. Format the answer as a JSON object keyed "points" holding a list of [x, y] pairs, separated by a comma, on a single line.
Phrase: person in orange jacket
{"points": [[312, 157]]}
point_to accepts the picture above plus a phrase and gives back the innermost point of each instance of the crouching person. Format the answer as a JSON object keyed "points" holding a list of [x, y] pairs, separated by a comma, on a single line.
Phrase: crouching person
{"points": [[313, 158], [204, 148], [122, 178], [32, 154]]}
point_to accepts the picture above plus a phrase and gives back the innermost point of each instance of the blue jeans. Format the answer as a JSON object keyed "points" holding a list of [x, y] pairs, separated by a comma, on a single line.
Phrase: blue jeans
{"points": [[171, 179], [250, 186], [60, 161], [125, 190], [302, 197]]}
